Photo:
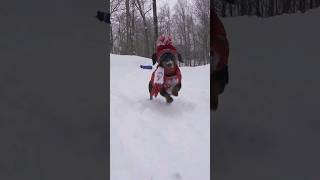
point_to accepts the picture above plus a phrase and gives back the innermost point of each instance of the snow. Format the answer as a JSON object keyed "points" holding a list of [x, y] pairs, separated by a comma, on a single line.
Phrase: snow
{"points": [[152, 140], [268, 117]]}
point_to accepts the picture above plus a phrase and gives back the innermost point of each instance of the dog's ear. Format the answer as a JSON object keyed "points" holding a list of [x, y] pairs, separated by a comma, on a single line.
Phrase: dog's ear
{"points": [[180, 58], [154, 58]]}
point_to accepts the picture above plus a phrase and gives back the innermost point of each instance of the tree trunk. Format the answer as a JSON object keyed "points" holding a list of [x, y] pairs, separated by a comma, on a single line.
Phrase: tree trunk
{"points": [[127, 47], [223, 11], [271, 8], [132, 48], [111, 42], [147, 47], [155, 21], [143, 16]]}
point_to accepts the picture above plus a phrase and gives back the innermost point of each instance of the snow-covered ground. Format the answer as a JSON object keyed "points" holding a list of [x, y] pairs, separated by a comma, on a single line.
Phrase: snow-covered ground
{"points": [[267, 125], [152, 140]]}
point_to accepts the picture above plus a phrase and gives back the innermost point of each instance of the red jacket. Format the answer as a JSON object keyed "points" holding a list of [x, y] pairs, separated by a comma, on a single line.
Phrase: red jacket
{"points": [[218, 42]]}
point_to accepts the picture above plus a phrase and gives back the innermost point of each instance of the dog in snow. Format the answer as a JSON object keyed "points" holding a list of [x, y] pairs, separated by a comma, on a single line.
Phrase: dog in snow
{"points": [[166, 79]]}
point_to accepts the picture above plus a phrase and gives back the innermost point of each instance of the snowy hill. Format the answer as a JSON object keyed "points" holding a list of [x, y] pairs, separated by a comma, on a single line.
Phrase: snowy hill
{"points": [[152, 140], [268, 117]]}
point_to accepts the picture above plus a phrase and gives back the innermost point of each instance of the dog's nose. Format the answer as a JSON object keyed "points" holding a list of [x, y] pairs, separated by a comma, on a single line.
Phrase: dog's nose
{"points": [[170, 64]]}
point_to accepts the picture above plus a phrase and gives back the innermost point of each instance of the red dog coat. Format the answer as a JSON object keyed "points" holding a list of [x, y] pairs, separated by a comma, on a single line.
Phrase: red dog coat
{"points": [[164, 77]]}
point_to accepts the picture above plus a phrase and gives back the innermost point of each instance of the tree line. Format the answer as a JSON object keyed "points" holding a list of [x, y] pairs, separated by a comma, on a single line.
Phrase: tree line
{"points": [[263, 8], [136, 25]]}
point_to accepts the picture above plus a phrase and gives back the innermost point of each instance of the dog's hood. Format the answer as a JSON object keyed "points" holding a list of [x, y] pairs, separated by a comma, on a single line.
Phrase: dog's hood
{"points": [[166, 49], [164, 45]]}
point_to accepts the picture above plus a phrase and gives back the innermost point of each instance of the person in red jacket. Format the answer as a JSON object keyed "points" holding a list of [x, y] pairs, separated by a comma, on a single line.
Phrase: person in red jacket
{"points": [[166, 79], [219, 51]]}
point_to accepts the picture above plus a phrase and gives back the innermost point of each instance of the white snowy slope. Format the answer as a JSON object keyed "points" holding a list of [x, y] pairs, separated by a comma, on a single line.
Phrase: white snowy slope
{"points": [[152, 140]]}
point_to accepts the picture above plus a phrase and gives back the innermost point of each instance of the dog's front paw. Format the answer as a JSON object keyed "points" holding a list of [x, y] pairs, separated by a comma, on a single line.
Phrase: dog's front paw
{"points": [[169, 99], [175, 92], [176, 89]]}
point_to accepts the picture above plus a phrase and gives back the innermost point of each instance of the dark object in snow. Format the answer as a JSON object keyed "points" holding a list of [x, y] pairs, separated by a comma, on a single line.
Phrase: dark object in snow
{"points": [[146, 66], [103, 16]]}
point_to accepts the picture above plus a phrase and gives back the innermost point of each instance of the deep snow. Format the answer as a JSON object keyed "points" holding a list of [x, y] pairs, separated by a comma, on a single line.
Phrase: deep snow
{"points": [[152, 140]]}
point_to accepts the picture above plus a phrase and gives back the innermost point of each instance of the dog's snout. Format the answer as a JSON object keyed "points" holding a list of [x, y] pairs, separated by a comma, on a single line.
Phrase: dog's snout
{"points": [[170, 64]]}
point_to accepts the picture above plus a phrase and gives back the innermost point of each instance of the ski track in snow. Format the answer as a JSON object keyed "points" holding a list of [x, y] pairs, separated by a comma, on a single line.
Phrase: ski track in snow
{"points": [[152, 140]]}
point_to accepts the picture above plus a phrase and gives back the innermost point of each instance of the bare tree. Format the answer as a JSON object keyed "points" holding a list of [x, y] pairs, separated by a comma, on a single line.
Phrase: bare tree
{"points": [[155, 20], [140, 4], [188, 23], [165, 24], [128, 35], [265, 8], [132, 29], [114, 7]]}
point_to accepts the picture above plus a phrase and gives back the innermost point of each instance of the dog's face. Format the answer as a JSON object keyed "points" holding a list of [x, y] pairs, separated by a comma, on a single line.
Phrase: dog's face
{"points": [[168, 60]]}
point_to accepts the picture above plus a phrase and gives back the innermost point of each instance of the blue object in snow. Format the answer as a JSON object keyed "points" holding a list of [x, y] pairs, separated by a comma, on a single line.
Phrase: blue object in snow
{"points": [[146, 66]]}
